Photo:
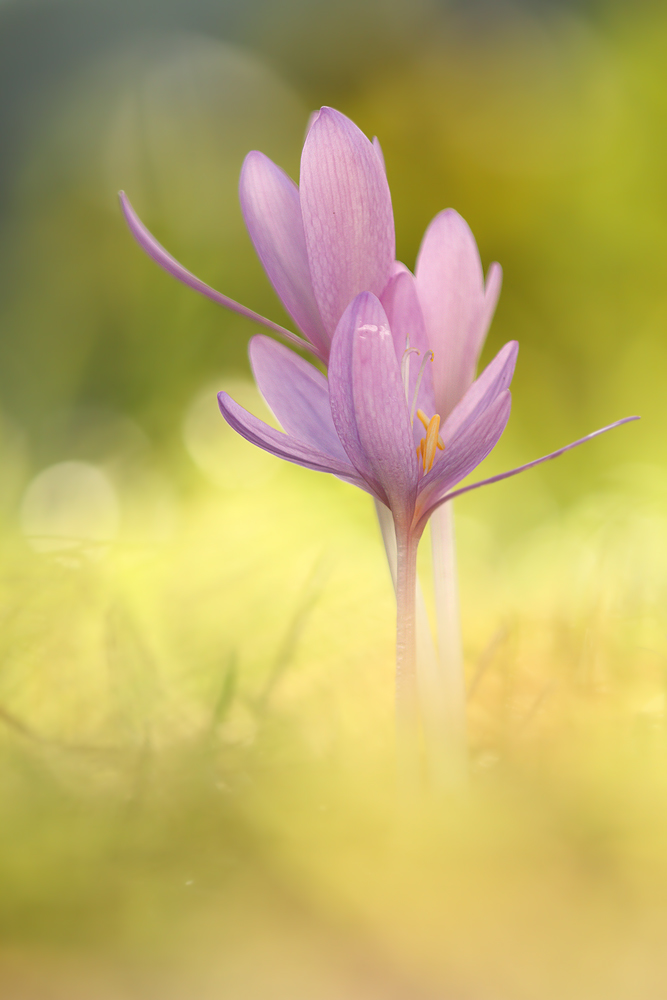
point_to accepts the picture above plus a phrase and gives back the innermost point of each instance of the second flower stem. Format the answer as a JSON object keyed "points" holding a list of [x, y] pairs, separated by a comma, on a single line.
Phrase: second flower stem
{"points": [[449, 644]]}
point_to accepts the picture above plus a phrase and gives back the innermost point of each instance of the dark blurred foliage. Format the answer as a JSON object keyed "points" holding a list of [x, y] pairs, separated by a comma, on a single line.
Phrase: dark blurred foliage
{"points": [[320, 46], [317, 44]]}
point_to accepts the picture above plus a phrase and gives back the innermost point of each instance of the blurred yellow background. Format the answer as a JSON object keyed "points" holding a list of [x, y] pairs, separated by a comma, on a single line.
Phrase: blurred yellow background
{"points": [[197, 640]]}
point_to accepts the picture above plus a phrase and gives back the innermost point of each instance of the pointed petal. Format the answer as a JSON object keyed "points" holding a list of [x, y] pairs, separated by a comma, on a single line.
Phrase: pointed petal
{"points": [[368, 404], [496, 377], [450, 284], [312, 117], [282, 445], [272, 213], [347, 214], [157, 252], [492, 287], [400, 302], [464, 454], [538, 461], [378, 149], [297, 393]]}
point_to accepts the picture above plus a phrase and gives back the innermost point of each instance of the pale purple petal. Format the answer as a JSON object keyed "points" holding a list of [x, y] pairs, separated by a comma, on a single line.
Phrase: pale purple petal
{"points": [[492, 287], [297, 393], [378, 149], [538, 461], [457, 311], [282, 445], [156, 251], [368, 404], [398, 267], [312, 118], [496, 377], [272, 213], [347, 214], [464, 454], [400, 302]]}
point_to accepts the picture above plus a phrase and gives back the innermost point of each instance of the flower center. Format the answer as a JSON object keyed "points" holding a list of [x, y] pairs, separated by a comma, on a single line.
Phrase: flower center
{"points": [[405, 375], [428, 445]]}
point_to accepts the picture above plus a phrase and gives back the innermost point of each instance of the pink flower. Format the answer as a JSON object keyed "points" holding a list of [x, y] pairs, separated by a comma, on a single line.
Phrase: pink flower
{"points": [[365, 424], [326, 241], [362, 423], [399, 414]]}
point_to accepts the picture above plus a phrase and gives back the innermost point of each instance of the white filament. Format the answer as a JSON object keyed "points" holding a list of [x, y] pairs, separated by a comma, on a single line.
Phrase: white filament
{"points": [[427, 357]]}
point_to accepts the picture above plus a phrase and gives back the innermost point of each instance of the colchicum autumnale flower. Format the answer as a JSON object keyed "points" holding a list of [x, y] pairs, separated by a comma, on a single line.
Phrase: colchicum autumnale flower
{"points": [[362, 425], [325, 242], [399, 415]]}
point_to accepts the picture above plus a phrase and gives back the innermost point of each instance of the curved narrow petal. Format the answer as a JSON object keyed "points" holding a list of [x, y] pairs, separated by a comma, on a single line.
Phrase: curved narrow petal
{"points": [[400, 302], [283, 446], [496, 377], [457, 310], [157, 252], [464, 454], [297, 393], [347, 214], [272, 213], [538, 461], [368, 404]]}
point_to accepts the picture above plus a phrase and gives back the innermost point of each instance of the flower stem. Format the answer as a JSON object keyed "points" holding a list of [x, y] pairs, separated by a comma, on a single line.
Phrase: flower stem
{"points": [[429, 680], [449, 644], [407, 706]]}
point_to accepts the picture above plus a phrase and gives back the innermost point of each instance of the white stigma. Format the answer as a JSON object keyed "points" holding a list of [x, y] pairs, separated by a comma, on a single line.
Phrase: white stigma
{"points": [[405, 369], [427, 357]]}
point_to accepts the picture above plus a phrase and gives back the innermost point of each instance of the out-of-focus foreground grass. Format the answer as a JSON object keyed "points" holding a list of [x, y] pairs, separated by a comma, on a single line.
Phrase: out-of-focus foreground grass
{"points": [[197, 641]]}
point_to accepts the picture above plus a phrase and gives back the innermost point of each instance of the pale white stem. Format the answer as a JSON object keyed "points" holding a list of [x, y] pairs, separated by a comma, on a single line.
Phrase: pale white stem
{"points": [[448, 619], [407, 699], [431, 689], [386, 522]]}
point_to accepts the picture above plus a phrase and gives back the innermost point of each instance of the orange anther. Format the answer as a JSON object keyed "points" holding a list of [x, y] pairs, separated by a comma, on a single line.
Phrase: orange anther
{"points": [[431, 442]]}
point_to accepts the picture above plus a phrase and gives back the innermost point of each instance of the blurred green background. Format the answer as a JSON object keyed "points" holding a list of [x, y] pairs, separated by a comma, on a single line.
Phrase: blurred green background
{"points": [[196, 678]]}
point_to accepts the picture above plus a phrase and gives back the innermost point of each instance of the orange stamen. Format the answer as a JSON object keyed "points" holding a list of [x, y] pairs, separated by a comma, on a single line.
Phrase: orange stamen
{"points": [[430, 442]]}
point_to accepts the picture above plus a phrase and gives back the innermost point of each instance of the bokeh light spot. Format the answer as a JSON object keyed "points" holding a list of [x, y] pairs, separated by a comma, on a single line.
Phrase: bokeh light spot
{"points": [[69, 505]]}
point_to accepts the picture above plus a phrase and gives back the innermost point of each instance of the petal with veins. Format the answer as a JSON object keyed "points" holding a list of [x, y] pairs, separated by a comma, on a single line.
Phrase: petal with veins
{"points": [[400, 302], [157, 252], [368, 404], [272, 214], [347, 214], [496, 377], [297, 393], [457, 312], [464, 454], [281, 445]]}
